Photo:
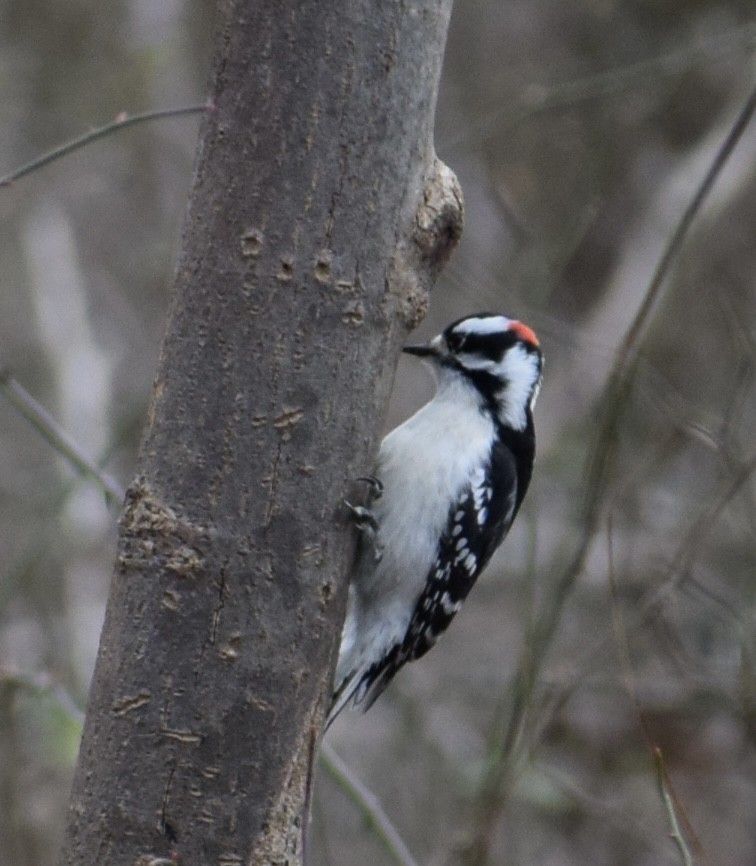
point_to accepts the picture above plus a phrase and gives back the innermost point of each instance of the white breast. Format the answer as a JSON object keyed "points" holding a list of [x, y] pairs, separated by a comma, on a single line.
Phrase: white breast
{"points": [[423, 464]]}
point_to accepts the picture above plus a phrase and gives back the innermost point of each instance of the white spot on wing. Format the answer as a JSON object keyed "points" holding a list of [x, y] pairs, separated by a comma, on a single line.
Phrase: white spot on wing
{"points": [[450, 607]]}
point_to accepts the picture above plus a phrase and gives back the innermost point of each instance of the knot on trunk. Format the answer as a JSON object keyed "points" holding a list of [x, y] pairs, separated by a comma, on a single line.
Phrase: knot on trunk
{"points": [[438, 223]]}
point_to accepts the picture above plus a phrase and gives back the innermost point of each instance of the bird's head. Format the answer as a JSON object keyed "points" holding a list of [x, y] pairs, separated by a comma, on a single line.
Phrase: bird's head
{"points": [[499, 357]]}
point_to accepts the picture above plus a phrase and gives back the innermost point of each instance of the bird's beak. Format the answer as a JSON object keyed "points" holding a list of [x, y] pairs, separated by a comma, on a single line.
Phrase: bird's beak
{"points": [[425, 350]]}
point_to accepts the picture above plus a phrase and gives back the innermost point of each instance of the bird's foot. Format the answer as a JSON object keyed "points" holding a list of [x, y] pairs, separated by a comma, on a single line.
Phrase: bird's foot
{"points": [[367, 523]]}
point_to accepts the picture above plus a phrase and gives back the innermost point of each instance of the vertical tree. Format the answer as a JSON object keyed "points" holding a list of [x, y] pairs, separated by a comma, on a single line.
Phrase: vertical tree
{"points": [[318, 219]]}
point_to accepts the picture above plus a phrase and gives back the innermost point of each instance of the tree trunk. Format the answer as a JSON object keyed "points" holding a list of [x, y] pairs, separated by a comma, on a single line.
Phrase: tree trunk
{"points": [[318, 218]]}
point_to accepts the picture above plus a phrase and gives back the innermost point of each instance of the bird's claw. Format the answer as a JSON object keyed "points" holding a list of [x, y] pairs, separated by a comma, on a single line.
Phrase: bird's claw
{"points": [[363, 518], [376, 486], [367, 523]]}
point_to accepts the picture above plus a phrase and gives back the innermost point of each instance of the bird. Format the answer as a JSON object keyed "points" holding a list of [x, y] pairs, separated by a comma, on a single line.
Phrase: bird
{"points": [[447, 485]]}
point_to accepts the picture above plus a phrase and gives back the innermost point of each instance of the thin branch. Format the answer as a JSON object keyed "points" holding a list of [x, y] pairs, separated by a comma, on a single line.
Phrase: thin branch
{"points": [[43, 683], [45, 424], [676, 574], [121, 122], [621, 638], [703, 525], [368, 805], [632, 338], [671, 806], [671, 802], [612, 82]]}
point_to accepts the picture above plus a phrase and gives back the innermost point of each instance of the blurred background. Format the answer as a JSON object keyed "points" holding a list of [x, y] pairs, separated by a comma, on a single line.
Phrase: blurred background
{"points": [[597, 694]]}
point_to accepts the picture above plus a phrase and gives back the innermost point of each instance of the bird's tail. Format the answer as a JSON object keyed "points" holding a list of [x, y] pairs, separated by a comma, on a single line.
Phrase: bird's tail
{"points": [[363, 685], [342, 694]]}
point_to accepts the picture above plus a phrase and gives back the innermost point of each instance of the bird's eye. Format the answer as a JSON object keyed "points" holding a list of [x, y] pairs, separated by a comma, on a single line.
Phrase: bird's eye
{"points": [[455, 341]]}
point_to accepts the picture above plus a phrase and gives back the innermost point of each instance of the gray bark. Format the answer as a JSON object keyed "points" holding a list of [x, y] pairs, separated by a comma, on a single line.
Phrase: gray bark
{"points": [[318, 219]]}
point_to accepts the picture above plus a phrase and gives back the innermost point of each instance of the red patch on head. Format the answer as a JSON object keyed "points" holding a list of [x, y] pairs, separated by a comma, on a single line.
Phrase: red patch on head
{"points": [[524, 333]]}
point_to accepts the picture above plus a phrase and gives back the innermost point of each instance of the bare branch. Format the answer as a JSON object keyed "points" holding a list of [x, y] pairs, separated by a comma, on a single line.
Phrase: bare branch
{"points": [[368, 804], [64, 444], [121, 122]]}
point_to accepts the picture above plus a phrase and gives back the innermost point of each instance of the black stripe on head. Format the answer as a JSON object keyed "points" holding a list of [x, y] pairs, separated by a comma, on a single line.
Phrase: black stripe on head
{"points": [[491, 346], [485, 334], [490, 386]]}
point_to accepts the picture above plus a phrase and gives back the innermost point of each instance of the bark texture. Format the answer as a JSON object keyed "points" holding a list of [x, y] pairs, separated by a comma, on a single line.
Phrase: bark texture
{"points": [[318, 219]]}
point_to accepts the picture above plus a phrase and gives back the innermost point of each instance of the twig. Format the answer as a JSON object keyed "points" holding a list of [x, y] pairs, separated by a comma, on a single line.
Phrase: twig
{"points": [[675, 576], [632, 338], [611, 82], [368, 804], [670, 804], [620, 629], [702, 526], [677, 573], [45, 424], [45, 684], [123, 120]]}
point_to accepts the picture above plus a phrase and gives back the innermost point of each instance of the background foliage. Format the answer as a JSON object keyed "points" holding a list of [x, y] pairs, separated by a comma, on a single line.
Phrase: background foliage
{"points": [[582, 707]]}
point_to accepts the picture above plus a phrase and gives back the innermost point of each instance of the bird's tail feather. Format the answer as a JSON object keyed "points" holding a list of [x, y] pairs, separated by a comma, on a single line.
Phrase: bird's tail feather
{"points": [[343, 693], [362, 686]]}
